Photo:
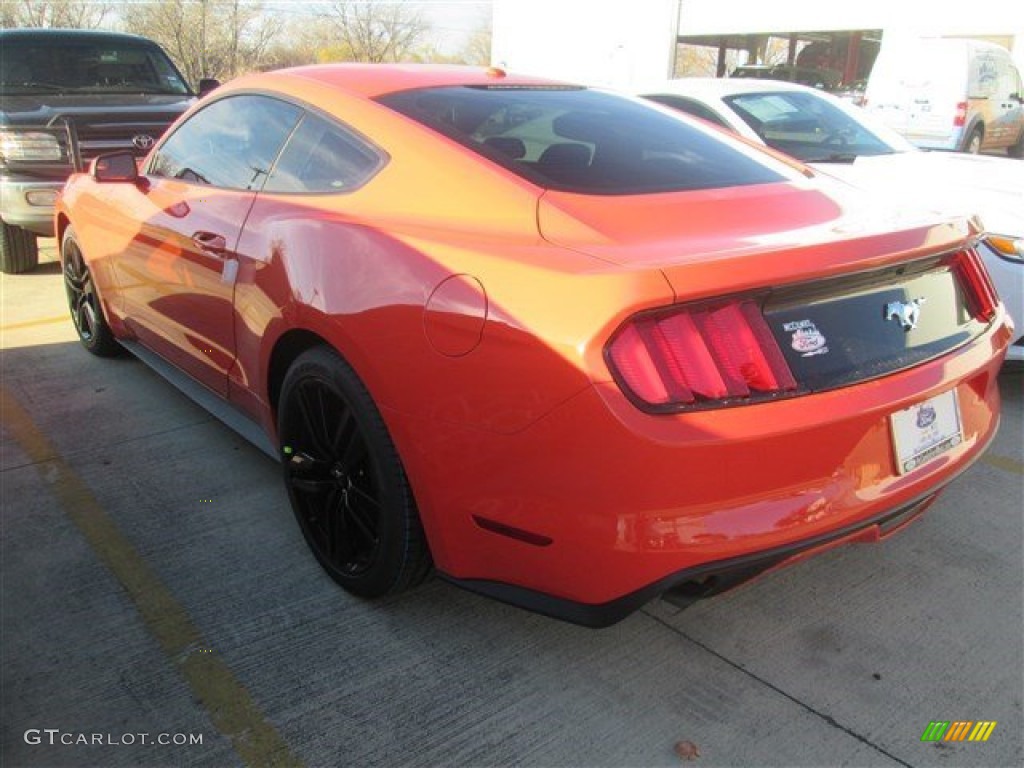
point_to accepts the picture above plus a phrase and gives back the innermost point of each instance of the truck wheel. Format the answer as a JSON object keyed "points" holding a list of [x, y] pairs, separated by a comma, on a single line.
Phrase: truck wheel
{"points": [[973, 144], [19, 251]]}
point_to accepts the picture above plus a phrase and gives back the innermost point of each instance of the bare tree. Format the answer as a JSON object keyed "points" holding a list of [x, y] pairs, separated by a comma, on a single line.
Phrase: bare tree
{"points": [[376, 31], [477, 48], [206, 38], [72, 14]]}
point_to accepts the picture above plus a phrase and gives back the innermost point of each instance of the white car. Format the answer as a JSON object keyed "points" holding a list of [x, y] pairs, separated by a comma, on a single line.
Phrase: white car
{"points": [[838, 138]]}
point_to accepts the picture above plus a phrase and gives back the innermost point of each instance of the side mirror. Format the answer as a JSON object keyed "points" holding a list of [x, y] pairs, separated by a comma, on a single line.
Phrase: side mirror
{"points": [[208, 84], [114, 167]]}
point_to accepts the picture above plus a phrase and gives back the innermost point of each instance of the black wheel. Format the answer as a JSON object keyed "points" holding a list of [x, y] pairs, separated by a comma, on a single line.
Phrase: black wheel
{"points": [[973, 144], [345, 480], [19, 251], [84, 302]]}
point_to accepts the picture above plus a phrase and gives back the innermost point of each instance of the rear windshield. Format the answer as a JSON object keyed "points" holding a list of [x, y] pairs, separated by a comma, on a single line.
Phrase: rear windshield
{"points": [[590, 142], [66, 65]]}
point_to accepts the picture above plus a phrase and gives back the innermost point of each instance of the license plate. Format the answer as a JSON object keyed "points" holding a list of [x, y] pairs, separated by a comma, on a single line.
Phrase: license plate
{"points": [[926, 430]]}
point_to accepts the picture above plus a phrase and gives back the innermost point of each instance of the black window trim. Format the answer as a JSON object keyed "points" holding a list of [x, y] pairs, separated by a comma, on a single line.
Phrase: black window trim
{"points": [[383, 158]]}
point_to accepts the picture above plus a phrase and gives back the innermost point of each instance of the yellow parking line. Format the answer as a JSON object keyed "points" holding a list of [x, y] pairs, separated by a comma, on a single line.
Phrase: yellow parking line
{"points": [[228, 703], [1004, 463], [65, 318]]}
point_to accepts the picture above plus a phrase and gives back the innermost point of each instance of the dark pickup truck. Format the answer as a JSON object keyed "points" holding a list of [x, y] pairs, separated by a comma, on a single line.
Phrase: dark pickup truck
{"points": [[65, 97]]}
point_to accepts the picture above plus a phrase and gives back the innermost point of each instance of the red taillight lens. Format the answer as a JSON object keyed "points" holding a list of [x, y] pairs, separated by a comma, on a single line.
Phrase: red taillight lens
{"points": [[960, 118], [698, 356], [982, 298]]}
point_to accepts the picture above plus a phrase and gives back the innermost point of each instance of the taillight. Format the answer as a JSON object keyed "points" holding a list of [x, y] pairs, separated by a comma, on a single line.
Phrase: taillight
{"points": [[699, 356], [960, 119], [982, 298]]}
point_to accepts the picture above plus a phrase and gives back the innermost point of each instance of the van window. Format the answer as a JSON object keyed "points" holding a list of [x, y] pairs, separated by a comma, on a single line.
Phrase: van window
{"points": [[983, 78]]}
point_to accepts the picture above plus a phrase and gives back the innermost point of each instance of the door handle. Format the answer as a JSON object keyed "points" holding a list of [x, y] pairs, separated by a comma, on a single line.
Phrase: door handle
{"points": [[210, 242]]}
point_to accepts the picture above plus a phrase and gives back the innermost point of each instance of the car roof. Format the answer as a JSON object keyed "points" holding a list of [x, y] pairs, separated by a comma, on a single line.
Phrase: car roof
{"points": [[719, 86], [371, 80], [84, 35]]}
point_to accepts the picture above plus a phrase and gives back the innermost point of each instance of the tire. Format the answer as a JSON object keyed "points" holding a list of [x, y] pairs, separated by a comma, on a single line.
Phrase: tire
{"points": [[19, 251], [345, 480], [84, 301], [973, 144]]}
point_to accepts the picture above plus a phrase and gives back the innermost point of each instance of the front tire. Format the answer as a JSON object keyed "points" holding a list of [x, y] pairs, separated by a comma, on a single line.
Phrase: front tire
{"points": [[84, 301], [19, 251], [345, 480]]}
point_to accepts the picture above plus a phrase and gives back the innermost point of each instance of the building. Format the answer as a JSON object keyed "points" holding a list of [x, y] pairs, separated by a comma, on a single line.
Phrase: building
{"points": [[617, 43]]}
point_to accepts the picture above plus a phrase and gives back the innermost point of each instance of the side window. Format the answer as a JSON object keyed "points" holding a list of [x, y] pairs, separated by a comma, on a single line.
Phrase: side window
{"points": [[232, 143], [322, 157]]}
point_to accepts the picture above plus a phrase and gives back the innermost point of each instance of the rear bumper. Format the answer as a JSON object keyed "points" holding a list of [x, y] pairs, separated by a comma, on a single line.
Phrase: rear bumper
{"points": [[692, 584], [597, 507], [29, 203]]}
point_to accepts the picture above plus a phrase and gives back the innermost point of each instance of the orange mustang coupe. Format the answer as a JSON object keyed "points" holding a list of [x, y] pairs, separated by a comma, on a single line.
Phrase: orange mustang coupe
{"points": [[571, 349]]}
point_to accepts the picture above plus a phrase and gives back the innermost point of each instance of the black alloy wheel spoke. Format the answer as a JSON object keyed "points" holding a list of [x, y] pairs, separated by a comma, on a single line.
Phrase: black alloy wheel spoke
{"points": [[331, 522], [354, 450], [346, 426], [363, 521], [73, 279], [330, 471], [344, 545], [311, 410], [365, 498], [81, 295], [85, 317]]}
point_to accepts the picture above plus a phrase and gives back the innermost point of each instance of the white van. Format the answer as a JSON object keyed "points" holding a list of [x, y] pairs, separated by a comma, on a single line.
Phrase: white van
{"points": [[944, 93]]}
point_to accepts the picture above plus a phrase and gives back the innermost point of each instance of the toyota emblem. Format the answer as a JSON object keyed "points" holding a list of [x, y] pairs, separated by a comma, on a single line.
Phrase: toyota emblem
{"points": [[143, 141]]}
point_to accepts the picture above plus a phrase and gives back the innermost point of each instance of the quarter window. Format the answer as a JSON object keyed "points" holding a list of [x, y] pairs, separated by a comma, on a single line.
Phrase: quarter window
{"points": [[232, 143], [322, 157]]}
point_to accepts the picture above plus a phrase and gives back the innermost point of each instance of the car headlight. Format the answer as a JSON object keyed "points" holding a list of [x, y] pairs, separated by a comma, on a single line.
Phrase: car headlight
{"points": [[1010, 248], [18, 146]]}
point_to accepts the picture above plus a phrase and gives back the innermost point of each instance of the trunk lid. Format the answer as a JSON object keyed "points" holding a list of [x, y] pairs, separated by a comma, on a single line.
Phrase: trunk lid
{"points": [[850, 292]]}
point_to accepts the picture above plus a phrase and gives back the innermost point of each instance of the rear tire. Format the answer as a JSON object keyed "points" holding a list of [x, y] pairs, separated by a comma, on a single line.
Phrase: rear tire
{"points": [[19, 251], [345, 480], [973, 144], [84, 301]]}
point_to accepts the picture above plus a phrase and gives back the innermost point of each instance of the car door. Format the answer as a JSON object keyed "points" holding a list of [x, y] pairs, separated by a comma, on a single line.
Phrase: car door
{"points": [[1009, 113], [178, 278]]}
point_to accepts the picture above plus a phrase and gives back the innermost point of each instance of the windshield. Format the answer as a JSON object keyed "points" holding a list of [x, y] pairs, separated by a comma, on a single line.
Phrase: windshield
{"points": [[585, 141], [96, 66], [812, 128]]}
